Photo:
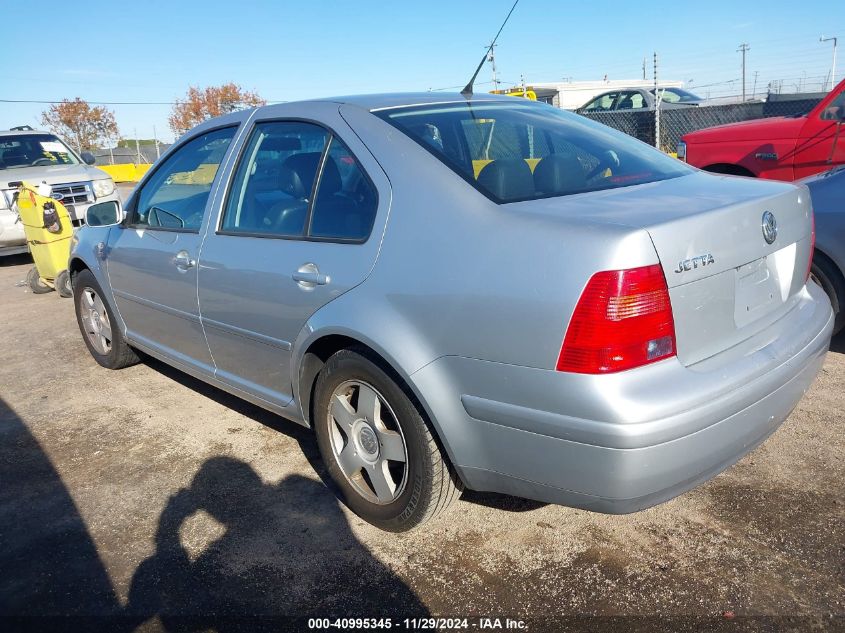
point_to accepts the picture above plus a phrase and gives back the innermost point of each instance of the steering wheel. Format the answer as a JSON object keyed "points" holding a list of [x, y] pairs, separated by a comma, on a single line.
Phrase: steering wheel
{"points": [[42, 162]]}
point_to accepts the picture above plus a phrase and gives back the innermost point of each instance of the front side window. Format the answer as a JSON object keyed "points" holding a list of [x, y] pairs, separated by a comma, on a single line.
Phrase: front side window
{"points": [[835, 111], [298, 180], [604, 102], [176, 194], [34, 150], [525, 151]]}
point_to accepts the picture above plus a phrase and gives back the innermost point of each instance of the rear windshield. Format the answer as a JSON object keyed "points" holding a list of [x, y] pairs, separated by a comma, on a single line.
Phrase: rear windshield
{"points": [[34, 150], [676, 95], [525, 151]]}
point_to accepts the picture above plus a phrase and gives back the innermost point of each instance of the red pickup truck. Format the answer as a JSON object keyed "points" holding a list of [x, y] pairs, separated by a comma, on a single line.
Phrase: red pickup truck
{"points": [[779, 148]]}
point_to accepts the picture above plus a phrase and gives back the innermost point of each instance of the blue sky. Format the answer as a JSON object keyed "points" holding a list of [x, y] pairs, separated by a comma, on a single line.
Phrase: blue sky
{"points": [[152, 50]]}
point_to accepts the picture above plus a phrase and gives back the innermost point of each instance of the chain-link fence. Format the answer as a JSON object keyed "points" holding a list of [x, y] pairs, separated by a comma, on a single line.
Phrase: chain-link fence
{"points": [[676, 122]]}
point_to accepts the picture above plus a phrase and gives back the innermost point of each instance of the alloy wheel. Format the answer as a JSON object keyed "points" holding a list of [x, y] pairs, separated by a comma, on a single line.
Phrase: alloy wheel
{"points": [[95, 318], [367, 442]]}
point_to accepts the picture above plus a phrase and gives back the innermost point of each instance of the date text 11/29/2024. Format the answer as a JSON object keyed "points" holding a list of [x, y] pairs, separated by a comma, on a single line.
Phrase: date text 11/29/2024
{"points": [[418, 624]]}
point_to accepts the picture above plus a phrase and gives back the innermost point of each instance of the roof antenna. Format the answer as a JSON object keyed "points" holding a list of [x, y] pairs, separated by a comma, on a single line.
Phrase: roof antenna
{"points": [[467, 91]]}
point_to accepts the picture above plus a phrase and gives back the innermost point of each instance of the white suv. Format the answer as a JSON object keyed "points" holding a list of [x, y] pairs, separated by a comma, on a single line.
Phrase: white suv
{"points": [[41, 157]]}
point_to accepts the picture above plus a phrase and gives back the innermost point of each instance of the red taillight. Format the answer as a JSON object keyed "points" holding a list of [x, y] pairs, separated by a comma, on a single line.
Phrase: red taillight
{"points": [[623, 320], [812, 245]]}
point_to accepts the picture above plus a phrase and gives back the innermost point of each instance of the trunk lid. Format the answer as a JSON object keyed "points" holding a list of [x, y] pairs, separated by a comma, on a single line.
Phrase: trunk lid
{"points": [[726, 281]]}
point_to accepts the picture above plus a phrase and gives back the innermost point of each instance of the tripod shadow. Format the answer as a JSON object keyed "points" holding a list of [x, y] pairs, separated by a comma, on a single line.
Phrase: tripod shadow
{"points": [[283, 549]]}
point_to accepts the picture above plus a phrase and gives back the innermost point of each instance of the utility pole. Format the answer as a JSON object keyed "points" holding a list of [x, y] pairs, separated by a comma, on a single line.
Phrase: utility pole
{"points": [[492, 59], [644, 69], [657, 99], [155, 140], [754, 90], [743, 48], [137, 147], [833, 67]]}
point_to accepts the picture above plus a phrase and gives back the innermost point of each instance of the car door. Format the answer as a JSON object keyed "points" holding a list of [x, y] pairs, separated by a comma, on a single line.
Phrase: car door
{"points": [[152, 257], [300, 224], [820, 144]]}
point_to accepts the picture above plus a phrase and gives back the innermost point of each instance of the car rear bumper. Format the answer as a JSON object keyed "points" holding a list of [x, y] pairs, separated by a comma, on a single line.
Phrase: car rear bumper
{"points": [[654, 432]]}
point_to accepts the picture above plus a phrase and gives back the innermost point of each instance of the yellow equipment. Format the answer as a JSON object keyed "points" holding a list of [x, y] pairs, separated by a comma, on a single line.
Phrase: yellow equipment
{"points": [[525, 93], [48, 230]]}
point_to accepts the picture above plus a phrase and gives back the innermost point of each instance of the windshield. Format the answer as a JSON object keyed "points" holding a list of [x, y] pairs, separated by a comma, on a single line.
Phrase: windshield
{"points": [[676, 95], [34, 150], [526, 151]]}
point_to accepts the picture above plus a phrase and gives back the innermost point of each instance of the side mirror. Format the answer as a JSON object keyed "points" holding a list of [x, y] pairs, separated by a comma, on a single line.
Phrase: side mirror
{"points": [[88, 157], [104, 214]]}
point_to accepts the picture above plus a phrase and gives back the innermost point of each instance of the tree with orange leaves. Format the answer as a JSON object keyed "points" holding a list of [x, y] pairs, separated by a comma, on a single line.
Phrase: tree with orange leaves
{"points": [[201, 104], [76, 121]]}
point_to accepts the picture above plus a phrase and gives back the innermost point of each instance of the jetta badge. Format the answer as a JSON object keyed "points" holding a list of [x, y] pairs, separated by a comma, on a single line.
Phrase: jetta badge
{"points": [[770, 227], [699, 261]]}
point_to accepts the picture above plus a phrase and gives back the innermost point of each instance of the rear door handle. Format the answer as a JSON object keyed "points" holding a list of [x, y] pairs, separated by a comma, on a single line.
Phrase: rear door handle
{"points": [[183, 260], [308, 276]]}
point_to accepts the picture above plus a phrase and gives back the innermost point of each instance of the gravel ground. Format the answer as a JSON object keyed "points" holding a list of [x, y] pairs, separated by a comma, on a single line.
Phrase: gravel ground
{"points": [[150, 497]]}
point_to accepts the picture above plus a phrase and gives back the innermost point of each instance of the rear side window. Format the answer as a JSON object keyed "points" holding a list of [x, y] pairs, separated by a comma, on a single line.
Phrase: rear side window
{"points": [[275, 180], [524, 151], [296, 179], [346, 202], [176, 194]]}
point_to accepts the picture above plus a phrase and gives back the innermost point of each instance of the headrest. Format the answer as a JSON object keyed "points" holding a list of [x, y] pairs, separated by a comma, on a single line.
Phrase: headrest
{"points": [[330, 181], [558, 174], [281, 144], [507, 179], [305, 166]]}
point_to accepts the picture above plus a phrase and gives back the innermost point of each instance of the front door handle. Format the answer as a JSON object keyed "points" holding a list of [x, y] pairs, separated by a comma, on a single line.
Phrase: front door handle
{"points": [[308, 276], [183, 260]]}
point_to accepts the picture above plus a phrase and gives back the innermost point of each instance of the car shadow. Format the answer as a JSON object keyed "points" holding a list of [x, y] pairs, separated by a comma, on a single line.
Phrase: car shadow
{"points": [[232, 553], [837, 344], [49, 562], [21, 259], [279, 551], [307, 442]]}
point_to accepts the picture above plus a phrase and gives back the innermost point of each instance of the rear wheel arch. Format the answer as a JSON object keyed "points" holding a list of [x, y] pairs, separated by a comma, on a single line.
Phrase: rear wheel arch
{"points": [[321, 349], [730, 169]]}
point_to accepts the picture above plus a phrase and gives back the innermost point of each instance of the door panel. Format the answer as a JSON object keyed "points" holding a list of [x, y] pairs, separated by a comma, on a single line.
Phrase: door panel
{"points": [[151, 261], [262, 274], [821, 145], [155, 295]]}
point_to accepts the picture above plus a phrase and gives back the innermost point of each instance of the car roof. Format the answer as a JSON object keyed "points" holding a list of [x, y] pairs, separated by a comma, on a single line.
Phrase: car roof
{"points": [[22, 132], [395, 100]]}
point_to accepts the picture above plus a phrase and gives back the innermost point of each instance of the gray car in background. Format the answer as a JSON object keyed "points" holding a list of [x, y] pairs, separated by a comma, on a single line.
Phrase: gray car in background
{"points": [[827, 191], [453, 292], [640, 99]]}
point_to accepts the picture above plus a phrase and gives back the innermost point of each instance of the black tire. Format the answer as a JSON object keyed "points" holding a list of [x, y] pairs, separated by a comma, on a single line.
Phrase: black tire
{"points": [[117, 354], [831, 281], [35, 282], [63, 285], [430, 483]]}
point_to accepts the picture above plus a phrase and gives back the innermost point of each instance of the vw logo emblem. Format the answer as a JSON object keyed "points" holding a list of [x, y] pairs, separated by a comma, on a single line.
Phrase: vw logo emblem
{"points": [[770, 227]]}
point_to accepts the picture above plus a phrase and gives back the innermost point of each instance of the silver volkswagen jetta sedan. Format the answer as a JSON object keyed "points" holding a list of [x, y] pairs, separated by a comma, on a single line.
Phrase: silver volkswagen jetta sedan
{"points": [[483, 292]]}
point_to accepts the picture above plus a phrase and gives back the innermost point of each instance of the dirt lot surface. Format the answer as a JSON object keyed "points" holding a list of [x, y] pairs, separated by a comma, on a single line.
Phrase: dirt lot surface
{"points": [[145, 495]]}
